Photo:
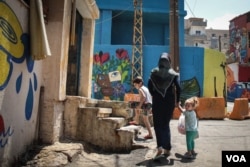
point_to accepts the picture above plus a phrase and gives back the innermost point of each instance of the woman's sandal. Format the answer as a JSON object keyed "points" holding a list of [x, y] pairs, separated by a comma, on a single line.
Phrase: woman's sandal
{"points": [[158, 154], [166, 152]]}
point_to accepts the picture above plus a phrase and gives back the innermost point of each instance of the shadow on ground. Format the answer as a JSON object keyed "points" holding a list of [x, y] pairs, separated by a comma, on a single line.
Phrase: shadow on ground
{"points": [[164, 161]]}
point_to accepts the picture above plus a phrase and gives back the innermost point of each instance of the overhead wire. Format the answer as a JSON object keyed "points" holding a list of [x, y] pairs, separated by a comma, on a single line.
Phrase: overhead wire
{"points": [[190, 8], [118, 14]]}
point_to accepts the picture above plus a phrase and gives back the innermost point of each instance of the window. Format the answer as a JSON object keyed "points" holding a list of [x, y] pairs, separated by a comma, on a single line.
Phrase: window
{"points": [[197, 32], [213, 35], [225, 35]]}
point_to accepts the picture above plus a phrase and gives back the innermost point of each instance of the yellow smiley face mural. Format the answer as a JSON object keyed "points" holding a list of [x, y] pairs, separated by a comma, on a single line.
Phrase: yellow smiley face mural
{"points": [[11, 46]]}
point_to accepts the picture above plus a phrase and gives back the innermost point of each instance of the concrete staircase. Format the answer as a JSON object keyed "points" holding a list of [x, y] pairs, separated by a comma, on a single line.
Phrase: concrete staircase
{"points": [[99, 122]]}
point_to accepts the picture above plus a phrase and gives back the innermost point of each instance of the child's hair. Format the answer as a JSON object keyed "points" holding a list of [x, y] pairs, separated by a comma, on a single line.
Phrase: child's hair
{"points": [[193, 100], [138, 80]]}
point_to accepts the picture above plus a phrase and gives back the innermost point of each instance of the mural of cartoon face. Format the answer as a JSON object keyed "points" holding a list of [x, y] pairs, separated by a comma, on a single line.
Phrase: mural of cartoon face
{"points": [[11, 45], [105, 80], [105, 84]]}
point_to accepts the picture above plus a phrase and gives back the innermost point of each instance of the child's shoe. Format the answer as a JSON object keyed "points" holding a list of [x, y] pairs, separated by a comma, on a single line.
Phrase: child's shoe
{"points": [[193, 153], [188, 155]]}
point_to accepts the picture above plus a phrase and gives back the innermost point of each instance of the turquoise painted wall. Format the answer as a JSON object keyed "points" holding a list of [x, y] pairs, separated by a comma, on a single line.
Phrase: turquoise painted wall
{"points": [[108, 59], [115, 26], [113, 48]]}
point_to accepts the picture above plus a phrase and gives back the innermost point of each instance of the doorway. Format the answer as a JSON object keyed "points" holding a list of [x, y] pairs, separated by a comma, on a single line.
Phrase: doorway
{"points": [[74, 59]]}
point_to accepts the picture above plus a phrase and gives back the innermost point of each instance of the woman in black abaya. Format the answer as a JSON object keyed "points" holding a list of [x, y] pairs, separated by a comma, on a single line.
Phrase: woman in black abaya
{"points": [[164, 87]]}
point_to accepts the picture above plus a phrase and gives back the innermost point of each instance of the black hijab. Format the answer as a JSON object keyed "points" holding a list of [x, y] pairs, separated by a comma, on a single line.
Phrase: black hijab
{"points": [[163, 75]]}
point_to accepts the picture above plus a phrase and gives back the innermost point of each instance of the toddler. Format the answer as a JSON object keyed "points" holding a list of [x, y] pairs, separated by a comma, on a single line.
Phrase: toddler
{"points": [[191, 125]]}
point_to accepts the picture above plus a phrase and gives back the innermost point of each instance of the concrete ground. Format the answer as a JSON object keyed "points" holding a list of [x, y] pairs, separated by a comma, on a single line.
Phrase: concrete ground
{"points": [[215, 137]]}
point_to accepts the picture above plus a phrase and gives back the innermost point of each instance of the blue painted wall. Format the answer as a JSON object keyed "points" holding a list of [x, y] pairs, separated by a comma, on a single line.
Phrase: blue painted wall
{"points": [[114, 31], [115, 26]]}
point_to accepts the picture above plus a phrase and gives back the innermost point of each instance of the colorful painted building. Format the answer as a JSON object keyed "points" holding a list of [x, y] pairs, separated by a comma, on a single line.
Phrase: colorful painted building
{"points": [[202, 72], [238, 59], [85, 57]]}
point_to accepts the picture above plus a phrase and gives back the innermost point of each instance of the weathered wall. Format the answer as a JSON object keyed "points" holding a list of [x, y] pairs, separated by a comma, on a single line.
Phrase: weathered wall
{"points": [[55, 71], [21, 78], [20, 81]]}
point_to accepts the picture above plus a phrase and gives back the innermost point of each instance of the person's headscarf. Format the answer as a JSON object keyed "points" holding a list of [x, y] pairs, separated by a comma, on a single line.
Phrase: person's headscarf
{"points": [[163, 75]]}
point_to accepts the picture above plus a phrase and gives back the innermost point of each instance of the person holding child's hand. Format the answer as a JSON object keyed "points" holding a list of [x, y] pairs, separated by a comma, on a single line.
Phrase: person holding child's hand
{"points": [[165, 89]]}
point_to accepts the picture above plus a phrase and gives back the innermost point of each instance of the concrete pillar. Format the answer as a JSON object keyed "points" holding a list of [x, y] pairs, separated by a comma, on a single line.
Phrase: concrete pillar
{"points": [[87, 57]]}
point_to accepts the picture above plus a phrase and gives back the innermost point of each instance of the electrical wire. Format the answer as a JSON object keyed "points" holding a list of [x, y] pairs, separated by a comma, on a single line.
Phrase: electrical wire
{"points": [[118, 14], [190, 8]]}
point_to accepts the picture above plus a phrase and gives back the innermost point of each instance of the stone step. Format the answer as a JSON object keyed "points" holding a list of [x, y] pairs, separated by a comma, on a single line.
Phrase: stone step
{"points": [[119, 108], [102, 131], [104, 112], [118, 121], [91, 102], [130, 129]]}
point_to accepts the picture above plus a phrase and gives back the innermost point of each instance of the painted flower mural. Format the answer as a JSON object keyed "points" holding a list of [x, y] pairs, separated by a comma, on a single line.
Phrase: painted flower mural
{"points": [[111, 75]]}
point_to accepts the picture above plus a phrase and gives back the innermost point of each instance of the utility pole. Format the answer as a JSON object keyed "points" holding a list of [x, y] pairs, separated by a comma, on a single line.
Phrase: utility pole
{"points": [[174, 33], [137, 54]]}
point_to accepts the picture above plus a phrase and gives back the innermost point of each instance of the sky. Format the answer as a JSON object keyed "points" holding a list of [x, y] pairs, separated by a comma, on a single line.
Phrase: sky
{"points": [[218, 13]]}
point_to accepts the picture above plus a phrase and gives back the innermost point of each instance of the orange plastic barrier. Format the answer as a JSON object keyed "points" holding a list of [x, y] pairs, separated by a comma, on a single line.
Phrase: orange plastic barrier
{"points": [[211, 108], [240, 109]]}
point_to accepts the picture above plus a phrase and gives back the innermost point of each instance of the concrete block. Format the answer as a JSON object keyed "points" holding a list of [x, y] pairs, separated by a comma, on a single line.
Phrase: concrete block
{"points": [[240, 109], [211, 108]]}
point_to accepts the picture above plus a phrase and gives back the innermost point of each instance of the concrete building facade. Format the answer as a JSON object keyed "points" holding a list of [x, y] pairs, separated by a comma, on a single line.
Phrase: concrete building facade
{"points": [[233, 43], [114, 45], [32, 92], [196, 34]]}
